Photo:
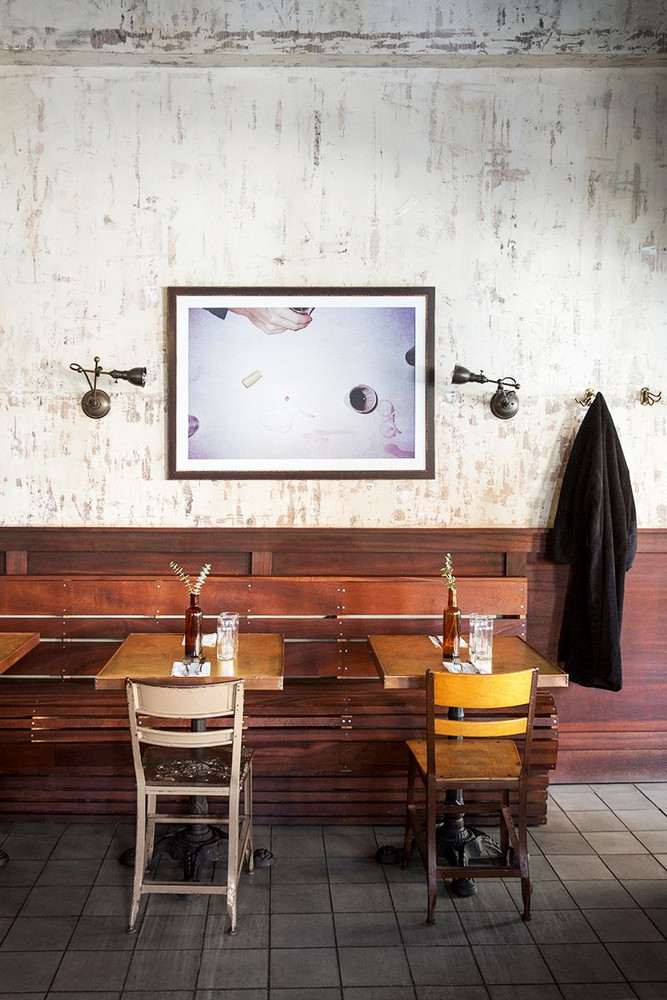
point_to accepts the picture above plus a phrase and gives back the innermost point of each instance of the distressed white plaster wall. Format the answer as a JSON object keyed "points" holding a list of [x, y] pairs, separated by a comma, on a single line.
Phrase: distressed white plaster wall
{"points": [[534, 201], [177, 32]]}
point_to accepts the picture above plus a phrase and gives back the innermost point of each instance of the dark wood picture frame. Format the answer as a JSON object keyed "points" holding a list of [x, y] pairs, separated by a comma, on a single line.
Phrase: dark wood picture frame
{"points": [[301, 383]]}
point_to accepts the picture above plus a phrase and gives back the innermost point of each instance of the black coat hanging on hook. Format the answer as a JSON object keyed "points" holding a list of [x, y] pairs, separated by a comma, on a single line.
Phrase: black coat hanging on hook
{"points": [[595, 530]]}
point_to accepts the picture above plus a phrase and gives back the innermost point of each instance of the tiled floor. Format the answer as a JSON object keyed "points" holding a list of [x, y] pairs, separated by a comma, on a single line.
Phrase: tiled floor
{"points": [[328, 923]]}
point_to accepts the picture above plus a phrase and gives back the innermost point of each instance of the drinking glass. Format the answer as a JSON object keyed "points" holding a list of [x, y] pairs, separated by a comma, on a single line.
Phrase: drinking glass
{"points": [[480, 641], [227, 637]]}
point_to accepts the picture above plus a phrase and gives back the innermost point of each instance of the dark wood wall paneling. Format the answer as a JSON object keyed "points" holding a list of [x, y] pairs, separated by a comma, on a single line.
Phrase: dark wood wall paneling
{"points": [[331, 745]]}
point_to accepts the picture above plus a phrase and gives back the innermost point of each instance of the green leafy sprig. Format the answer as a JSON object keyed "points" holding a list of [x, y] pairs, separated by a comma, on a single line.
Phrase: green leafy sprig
{"points": [[193, 588], [447, 572]]}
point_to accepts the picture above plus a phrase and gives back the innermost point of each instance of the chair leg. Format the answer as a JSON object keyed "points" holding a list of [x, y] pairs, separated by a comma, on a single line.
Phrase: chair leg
{"points": [[247, 807], [410, 798], [524, 863], [139, 862], [504, 832], [431, 858], [233, 859]]}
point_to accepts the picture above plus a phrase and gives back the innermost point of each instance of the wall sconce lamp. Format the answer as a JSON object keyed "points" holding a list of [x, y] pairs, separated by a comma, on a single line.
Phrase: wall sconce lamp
{"points": [[96, 403], [504, 403]]}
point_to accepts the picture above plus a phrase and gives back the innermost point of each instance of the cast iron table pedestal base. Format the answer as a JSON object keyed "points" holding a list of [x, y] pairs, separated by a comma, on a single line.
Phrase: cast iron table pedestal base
{"points": [[458, 844]]}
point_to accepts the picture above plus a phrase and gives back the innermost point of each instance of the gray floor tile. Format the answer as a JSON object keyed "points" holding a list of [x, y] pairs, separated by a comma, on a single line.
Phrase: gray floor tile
{"points": [[659, 918], [318, 993], [12, 898], [623, 925], [89, 995], [518, 991], [580, 963], [81, 971], [360, 898], [20, 873], [297, 845], [447, 929], [540, 869], [27, 971], [367, 930], [523, 965], [641, 961], [85, 840], [597, 991], [578, 866], [465, 992], [302, 930], [252, 931], [491, 895], [649, 991], [624, 796], [634, 866], [110, 872], [39, 934], [498, 928], [596, 821], [22, 848], [558, 842], [382, 966], [158, 995], [654, 840], [303, 967], [410, 896], [52, 901], [102, 934], [560, 927], [343, 843], [68, 873], [310, 870], [39, 828], [354, 870], [163, 970], [443, 966], [376, 993], [294, 898], [647, 892], [545, 896], [615, 843], [245, 969], [575, 798], [600, 894], [171, 932], [650, 818], [168, 903]]}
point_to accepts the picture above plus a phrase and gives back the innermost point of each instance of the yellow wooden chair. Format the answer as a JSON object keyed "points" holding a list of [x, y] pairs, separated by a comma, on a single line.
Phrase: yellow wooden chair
{"points": [[190, 760], [473, 753]]}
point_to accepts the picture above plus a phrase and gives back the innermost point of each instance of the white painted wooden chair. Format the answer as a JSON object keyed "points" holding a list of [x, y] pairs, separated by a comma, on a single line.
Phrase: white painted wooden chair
{"points": [[176, 755]]}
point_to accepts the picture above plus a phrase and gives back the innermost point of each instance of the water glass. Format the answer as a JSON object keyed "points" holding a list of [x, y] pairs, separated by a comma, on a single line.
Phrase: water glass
{"points": [[480, 641], [227, 637]]}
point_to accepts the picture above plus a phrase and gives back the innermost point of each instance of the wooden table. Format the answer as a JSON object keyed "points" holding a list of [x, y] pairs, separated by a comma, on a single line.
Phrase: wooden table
{"points": [[402, 660], [14, 645], [151, 656]]}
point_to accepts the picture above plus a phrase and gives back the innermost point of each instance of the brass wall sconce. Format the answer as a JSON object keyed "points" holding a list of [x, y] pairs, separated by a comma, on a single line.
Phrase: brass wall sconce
{"points": [[96, 403], [648, 398], [504, 403]]}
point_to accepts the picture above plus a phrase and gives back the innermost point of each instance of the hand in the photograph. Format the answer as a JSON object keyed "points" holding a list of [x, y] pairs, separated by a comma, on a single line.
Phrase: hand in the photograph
{"points": [[275, 320]]}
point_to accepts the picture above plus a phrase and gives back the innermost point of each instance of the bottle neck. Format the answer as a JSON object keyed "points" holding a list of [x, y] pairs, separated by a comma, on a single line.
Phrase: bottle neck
{"points": [[451, 600]]}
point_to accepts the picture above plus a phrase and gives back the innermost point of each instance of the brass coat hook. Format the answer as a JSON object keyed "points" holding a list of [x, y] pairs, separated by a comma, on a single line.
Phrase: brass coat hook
{"points": [[589, 396], [648, 398]]}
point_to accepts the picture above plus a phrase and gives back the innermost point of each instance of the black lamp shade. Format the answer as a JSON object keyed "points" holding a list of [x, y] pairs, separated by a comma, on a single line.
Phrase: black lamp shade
{"points": [[135, 376]]}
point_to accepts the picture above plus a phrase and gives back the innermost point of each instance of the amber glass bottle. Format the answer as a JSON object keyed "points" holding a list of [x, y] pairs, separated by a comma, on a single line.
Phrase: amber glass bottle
{"points": [[451, 629], [193, 627]]}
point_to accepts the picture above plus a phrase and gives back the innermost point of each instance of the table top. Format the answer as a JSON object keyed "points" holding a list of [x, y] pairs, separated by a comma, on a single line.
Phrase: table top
{"points": [[151, 656], [402, 660], [14, 645]]}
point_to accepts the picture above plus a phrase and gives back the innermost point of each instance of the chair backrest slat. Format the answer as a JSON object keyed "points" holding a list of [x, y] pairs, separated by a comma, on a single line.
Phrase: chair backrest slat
{"points": [[456, 693]]}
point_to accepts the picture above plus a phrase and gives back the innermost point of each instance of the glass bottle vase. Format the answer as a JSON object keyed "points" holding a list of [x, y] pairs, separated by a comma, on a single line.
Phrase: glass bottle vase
{"points": [[194, 617], [451, 629]]}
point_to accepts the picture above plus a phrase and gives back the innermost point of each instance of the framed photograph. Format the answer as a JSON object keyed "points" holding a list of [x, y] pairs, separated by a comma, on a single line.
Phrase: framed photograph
{"points": [[301, 383]]}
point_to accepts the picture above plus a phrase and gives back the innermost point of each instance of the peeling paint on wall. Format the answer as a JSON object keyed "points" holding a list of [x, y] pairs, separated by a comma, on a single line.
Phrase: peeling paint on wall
{"points": [[535, 202]]}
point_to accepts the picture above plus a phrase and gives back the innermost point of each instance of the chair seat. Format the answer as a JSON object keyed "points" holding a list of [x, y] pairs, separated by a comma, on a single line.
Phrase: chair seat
{"points": [[212, 766], [470, 759]]}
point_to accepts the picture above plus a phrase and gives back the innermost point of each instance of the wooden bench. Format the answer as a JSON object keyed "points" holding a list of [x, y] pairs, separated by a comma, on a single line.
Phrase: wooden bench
{"points": [[330, 747]]}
